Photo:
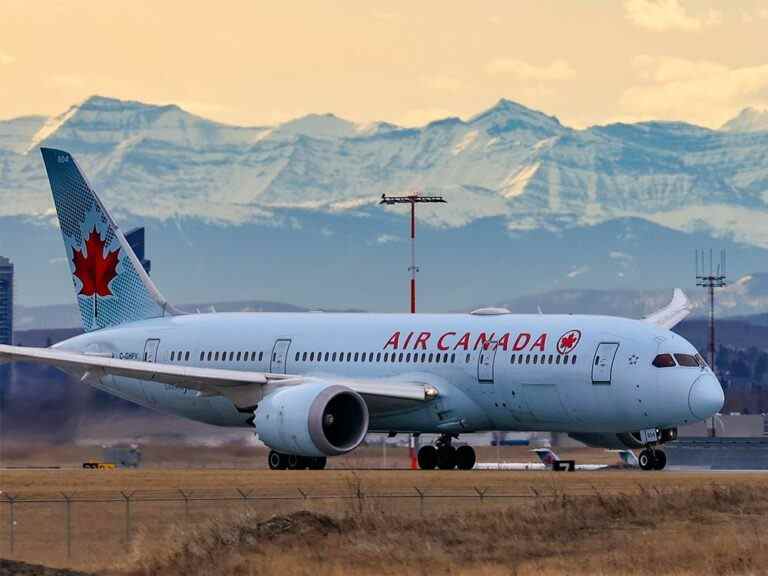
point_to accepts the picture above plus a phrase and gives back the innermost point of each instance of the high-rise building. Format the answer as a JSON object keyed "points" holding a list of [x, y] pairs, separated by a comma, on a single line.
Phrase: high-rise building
{"points": [[6, 301], [137, 243], [6, 337]]}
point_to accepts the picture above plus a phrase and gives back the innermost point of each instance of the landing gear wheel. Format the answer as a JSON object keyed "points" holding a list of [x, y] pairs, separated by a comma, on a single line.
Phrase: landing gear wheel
{"points": [[446, 457], [427, 457], [465, 457], [296, 462], [317, 463], [646, 459], [277, 461], [659, 459]]}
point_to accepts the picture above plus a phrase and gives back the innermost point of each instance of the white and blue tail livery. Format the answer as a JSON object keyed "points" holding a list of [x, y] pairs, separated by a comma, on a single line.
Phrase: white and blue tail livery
{"points": [[111, 285]]}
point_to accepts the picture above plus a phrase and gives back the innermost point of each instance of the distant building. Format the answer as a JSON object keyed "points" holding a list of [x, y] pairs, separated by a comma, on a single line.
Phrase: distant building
{"points": [[6, 301], [136, 241]]}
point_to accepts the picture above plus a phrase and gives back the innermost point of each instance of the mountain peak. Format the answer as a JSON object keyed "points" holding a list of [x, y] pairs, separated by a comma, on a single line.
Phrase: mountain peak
{"points": [[508, 115], [319, 126], [748, 120]]}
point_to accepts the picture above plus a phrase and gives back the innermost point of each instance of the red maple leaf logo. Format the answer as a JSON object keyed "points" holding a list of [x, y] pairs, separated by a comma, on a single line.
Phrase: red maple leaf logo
{"points": [[568, 341], [94, 270]]}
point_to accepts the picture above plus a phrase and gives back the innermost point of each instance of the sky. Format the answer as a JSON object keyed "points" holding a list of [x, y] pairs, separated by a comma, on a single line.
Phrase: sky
{"points": [[257, 62]]}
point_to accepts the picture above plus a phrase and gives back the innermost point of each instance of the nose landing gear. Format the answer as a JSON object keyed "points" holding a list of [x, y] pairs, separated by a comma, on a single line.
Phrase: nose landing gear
{"points": [[445, 456], [652, 459]]}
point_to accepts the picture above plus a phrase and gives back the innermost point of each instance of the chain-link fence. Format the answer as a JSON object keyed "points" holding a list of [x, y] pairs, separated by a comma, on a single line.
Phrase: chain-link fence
{"points": [[83, 525]]}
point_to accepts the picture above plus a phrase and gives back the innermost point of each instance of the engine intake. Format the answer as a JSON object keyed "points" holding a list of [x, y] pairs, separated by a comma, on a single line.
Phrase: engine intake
{"points": [[313, 419]]}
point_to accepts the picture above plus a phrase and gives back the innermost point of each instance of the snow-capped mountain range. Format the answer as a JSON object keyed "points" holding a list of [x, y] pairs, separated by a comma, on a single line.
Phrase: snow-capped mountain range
{"points": [[533, 205], [509, 161]]}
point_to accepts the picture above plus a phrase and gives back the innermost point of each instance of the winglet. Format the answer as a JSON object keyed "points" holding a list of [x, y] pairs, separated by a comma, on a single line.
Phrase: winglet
{"points": [[673, 313]]}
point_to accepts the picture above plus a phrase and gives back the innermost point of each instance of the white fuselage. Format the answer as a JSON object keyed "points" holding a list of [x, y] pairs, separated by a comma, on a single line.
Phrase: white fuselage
{"points": [[604, 382]]}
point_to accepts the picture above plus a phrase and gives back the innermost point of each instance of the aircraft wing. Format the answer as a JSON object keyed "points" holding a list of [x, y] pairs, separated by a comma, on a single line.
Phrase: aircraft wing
{"points": [[243, 388], [673, 313]]}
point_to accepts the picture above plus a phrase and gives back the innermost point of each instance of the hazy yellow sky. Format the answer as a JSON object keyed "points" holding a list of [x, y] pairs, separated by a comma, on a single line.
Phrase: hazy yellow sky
{"points": [[590, 61]]}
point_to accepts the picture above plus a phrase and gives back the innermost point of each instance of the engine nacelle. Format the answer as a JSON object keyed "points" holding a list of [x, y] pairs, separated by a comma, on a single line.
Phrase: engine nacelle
{"points": [[313, 419]]}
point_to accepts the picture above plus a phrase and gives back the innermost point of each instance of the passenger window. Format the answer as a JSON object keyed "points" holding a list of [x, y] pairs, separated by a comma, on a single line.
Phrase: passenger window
{"points": [[551, 358], [297, 356], [238, 356], [408, 357], [231, 356], [437, 358], [573, 359], [311, 356], [349, 356], [172, 353], [687, 360], [356, 356], [664, 361], [467, 361], [423, 357], [216, 357], [430, 357], [453, 358], [186, 356], [565, 359], [209, 356], [304, 357], [512, 359], [535, 358], [202, 356], [261, 356], [386, 356], [557, 360], [333, 357], [528, 359], [327, 355], [378, 356], [400, 357]]}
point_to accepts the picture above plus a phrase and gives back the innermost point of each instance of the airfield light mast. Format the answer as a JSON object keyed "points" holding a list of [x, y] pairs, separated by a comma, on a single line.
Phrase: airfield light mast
{"points": [[412, 199], [715, 277]]}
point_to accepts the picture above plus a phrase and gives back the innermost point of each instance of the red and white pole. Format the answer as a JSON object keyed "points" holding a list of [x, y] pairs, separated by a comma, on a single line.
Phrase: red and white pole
{"points": [[413, 257]]}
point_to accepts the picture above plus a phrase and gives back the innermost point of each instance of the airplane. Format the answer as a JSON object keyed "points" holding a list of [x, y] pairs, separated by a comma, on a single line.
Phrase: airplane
{"points": [[313, 385], [551, 461]]}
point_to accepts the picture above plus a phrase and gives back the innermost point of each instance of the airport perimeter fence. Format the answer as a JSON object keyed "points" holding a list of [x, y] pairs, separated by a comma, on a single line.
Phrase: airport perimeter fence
{"points": [[91, 524]]}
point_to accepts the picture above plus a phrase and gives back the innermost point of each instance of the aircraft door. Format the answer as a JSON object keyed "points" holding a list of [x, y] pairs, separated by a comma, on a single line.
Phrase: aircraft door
{"points": [[277, 363], [151, 389], [485, 362], [150, 350], [602, 365]]}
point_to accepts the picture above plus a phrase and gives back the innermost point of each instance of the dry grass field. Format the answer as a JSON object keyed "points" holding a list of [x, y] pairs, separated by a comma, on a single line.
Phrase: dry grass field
{"points": [[376, 522]]}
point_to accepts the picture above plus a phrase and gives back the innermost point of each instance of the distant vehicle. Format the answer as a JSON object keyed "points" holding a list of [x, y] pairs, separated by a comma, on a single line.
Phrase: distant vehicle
{"points": [[117, 457], [551, 461], [313, 385]]}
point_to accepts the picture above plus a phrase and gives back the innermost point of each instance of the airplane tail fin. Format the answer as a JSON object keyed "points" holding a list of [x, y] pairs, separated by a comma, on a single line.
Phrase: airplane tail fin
{"points": [[547, 457], [628, 458], [111, 285]]}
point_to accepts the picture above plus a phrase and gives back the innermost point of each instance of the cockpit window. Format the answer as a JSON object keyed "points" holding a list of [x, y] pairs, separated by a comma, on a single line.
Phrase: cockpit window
{"points": [[701, 361], [664, 361], [687, 360]]}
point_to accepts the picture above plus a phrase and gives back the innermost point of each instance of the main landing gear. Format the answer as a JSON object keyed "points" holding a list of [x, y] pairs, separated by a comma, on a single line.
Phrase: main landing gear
{"points": [[652, 459], [445, 456], [279, 461]]}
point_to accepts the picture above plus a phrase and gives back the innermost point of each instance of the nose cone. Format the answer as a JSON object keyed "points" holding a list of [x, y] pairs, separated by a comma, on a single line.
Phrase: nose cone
{"points": [[706, 397]]}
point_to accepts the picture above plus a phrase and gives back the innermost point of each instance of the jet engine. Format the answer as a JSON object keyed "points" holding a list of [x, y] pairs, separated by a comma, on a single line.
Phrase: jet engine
{"points": [[312, 419]]}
